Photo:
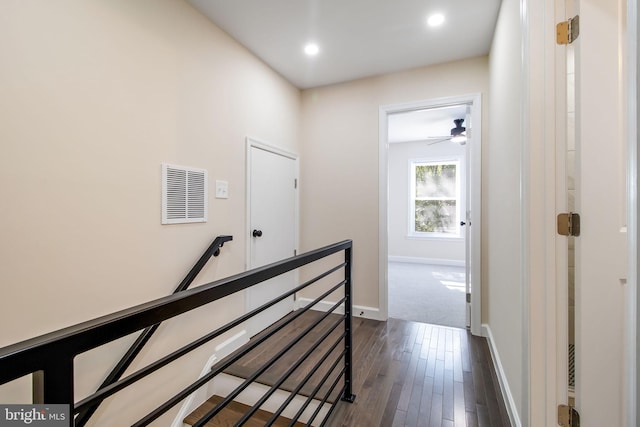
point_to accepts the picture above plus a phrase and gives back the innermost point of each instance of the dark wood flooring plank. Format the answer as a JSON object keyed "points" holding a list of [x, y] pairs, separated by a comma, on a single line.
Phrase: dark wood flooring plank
{"points": [[472, 419], [464, 350], [415, 401], [459, 413], [436, 411], [457, 357], [407, 387], [431, 363], [469, 392], [438, 381], [425, 405], [408, 374], [447, 396], [442, 343], [399, 419], [483, 416]]}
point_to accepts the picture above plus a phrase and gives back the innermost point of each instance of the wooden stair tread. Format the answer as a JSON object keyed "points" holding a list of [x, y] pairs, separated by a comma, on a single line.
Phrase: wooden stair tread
{"points": [[249, 363], [232, 413]]}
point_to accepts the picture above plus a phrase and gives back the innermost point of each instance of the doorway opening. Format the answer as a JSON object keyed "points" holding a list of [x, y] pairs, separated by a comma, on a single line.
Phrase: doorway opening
{"points": [[430, 186]]}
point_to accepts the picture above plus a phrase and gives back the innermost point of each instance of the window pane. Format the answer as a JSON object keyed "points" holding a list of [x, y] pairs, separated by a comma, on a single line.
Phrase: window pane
{"points": [[436, 216], [436, 180]]}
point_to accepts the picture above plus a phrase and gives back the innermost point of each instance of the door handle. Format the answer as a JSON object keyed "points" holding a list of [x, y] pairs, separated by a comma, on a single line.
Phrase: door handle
{"points": [[462, 223], [257, 233]]}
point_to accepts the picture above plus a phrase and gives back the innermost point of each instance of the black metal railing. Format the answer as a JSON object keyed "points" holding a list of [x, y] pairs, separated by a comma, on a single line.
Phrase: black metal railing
{"points": [[116, 373], [50, 357]]}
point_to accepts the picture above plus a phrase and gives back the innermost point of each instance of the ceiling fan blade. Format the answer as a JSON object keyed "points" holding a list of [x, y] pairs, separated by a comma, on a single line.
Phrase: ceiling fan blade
{"points": [[438, 140]]}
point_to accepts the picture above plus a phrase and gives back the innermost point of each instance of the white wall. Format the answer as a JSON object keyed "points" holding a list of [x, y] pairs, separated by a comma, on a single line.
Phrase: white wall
{"points": [[502, 198], [339, 161], [95, 96], [401, 244]]}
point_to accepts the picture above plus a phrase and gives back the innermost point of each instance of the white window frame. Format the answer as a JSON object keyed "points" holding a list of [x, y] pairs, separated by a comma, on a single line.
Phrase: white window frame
{"points": [[412, 233]]}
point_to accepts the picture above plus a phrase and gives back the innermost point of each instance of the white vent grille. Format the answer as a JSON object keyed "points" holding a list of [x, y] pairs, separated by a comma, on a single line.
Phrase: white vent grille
{"points": [[184, 194]]}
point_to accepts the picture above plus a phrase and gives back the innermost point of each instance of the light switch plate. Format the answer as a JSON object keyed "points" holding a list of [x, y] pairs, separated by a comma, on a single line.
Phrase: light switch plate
{"points": [[222, 189]]}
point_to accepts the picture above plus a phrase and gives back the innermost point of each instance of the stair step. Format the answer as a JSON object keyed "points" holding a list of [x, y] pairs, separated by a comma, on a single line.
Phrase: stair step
{"points": [[232, 413], [251, 362]]}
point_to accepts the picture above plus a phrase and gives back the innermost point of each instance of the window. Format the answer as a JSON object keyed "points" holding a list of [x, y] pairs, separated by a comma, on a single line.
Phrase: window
{"points": [[435, 198]]}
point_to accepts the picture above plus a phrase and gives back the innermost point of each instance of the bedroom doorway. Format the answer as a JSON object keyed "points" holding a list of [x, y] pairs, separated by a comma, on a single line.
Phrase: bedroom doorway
{"points": [[430, 248]]}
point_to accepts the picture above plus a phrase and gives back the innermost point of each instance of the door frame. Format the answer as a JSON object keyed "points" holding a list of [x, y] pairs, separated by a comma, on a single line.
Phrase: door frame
{"points": [[255, 143], [475, 191], [542, 305]]}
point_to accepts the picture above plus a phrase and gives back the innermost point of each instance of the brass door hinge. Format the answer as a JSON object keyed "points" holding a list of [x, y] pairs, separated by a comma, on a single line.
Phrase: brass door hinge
{"points": [[568, 31], [568, 416], [569, 224]]}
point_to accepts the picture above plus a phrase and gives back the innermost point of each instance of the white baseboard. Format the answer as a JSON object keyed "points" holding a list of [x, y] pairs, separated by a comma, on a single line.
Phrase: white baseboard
{"points": [[358, 310], [502, 378], [198, 397], [372, 313], [430, 261]]}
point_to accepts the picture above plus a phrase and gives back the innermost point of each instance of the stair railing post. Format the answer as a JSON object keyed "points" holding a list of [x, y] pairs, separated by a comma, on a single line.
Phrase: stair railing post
{"points": [[54, 385], [348, 395]]}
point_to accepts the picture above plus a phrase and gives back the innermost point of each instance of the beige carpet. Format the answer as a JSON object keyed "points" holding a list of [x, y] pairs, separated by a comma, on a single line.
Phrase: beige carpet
{"points": [[427, 293]]}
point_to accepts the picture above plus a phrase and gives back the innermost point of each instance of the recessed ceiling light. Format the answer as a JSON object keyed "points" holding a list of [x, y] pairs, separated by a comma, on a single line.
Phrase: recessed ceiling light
{"points": [[311, 49], [435, 20]]}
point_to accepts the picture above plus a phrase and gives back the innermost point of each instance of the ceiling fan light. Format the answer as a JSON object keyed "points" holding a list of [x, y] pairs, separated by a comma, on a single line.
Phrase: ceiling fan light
{"points": [[460, 139]]}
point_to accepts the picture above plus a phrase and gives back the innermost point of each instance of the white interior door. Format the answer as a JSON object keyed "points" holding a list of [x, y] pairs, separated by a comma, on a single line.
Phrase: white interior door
{"points": [[600, 199], [272, 225]]}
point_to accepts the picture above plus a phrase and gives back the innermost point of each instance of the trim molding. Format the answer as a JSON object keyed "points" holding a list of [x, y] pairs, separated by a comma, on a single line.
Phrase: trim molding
{"points": [[358, 310], [502, 378], [430, 261], [631, 341]]}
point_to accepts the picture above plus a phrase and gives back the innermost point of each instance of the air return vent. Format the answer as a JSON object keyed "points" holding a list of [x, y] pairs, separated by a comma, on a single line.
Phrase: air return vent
{"points": [[184, 194]]}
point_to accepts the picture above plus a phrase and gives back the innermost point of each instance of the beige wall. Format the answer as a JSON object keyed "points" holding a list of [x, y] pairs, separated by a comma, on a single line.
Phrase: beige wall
{"points": [[95, 96], [502, 198], [339, 160]]}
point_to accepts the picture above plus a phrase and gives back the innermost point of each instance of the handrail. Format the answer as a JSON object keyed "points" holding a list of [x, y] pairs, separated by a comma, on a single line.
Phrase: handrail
{"points": [[116, 373], [52, 354]]}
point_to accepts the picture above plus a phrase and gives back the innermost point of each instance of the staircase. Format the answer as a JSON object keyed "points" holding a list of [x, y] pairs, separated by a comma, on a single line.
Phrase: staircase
{"points": [[232, 413], [298, 368], [303, 389]]}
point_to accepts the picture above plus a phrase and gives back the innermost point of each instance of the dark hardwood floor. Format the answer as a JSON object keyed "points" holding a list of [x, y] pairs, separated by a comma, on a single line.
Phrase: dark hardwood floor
{"points": [[405, 374], [416, 374]]}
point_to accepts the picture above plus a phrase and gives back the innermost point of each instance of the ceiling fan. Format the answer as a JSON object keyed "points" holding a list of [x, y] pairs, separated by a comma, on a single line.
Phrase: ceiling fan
{"points": [[458, 134]]}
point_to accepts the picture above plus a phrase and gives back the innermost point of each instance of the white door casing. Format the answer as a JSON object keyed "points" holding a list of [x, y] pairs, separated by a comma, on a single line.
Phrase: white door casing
{"points": [[468, 238], [272, 218], [474, 162]]}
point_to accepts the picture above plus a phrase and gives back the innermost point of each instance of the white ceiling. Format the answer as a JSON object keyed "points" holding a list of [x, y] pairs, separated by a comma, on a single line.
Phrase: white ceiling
{"points": [[357, 38], [360, 38], [421, 125]]}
